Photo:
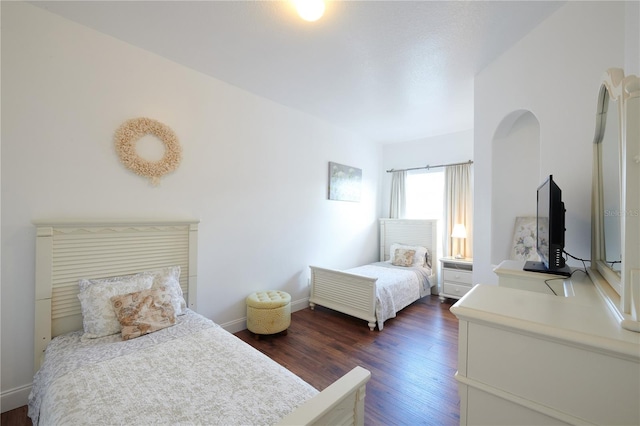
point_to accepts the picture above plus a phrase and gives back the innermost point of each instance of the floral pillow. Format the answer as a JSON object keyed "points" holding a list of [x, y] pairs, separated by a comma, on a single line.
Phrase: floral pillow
{"points": [[420, 257], [403, 257], [98, 318], [144, 312]]}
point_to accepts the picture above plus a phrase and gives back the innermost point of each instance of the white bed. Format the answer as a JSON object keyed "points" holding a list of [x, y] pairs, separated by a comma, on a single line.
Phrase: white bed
{"points": [[192, 372], [376, 292]]}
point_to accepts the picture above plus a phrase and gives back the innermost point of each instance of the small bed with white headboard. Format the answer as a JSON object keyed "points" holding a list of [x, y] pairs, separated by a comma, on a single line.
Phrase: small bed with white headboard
{"points": [[163, 363], [407, 271]]}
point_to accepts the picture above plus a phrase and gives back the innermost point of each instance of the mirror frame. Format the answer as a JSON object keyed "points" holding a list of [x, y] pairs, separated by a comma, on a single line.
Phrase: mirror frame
{"points": [[622, 292]]}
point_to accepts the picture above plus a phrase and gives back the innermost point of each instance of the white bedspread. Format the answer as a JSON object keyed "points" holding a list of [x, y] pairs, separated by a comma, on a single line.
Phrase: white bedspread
{"points": [[396, 288], [192, 373]]}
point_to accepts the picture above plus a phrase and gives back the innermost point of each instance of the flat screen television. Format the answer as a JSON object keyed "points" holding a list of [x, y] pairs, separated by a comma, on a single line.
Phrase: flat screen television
{"points": [[550, 231]]}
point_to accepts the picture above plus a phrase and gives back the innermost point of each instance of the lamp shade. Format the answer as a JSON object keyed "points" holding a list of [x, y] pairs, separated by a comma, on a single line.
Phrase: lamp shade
{"points": [[459, 231]]}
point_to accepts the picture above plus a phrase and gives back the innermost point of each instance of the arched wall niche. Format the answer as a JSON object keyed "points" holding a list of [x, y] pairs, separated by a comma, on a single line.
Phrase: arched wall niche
{"points": [[514, 179]]}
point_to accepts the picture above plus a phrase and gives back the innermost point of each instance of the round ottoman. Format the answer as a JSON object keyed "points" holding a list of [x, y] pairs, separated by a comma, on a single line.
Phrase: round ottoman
{"points": [[268, 312]]}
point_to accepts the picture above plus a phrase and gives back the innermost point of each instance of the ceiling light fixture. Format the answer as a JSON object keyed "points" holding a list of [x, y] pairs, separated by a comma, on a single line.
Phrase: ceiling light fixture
{"points": [[309, 10]]}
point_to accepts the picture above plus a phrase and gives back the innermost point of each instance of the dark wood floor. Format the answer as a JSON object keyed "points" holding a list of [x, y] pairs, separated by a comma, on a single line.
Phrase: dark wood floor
{"points": [[412, 361], [17, 417]]}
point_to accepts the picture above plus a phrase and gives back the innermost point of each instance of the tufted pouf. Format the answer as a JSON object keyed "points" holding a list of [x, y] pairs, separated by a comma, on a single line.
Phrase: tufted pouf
{"points": [[268, 312]]}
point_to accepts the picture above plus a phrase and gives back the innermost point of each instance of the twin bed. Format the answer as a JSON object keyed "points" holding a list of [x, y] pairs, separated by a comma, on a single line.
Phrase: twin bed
{"points": [[376, 292], [188, 370], [179, 367]]}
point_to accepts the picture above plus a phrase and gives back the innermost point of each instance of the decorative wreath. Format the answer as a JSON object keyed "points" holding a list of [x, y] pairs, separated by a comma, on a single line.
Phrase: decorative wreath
{"points": [[131, 131]]}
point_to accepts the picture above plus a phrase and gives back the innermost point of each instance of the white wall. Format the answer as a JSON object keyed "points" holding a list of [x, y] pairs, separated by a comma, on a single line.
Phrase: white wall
{"points": [[514, 178], [443, 149], [554, 72], [253, 172]]}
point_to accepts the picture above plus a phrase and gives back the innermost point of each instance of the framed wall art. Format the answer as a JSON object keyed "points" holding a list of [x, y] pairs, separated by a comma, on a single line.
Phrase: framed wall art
{"points": [[523, 246], [345, 182]]}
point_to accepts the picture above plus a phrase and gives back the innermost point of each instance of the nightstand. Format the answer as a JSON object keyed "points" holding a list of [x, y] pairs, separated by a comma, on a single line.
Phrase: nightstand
{"points": [[456, 277]]}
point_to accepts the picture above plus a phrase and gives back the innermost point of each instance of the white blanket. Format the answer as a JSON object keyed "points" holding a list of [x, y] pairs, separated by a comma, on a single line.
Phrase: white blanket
{"points": [[200, 374], [396, 288]]}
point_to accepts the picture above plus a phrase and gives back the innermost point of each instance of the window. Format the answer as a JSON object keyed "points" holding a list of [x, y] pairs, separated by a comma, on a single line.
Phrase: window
{"points": [[424, 194]]}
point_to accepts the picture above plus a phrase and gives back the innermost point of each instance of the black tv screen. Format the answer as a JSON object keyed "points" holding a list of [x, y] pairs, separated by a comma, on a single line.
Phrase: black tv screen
{"points": [[550, 231]]}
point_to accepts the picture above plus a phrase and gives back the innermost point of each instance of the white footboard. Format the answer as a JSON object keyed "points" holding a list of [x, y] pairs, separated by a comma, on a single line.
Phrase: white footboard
{"points": [[342, 403], [350, 294]]}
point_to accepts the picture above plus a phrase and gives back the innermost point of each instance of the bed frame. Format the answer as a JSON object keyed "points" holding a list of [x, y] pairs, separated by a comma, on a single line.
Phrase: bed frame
{"points": [[355, 295], [66, 252]]}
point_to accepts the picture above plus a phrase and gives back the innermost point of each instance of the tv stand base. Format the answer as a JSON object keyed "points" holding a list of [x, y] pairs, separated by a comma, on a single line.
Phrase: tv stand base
{"points": [[531, 266]]}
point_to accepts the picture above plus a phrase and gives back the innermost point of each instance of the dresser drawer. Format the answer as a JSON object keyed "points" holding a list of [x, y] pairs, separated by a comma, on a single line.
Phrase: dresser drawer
{"points": [[456, 289], [454, 275]]}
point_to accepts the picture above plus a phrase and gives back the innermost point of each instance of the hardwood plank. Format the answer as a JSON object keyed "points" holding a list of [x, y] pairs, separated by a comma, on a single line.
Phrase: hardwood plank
{"points": [[412, 361], [17, 417]]}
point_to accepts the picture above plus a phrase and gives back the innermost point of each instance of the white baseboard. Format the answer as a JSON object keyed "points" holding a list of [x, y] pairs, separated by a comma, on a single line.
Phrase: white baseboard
{"points": [[14, 398], [241, 324], [235, 325], [298, 305]]}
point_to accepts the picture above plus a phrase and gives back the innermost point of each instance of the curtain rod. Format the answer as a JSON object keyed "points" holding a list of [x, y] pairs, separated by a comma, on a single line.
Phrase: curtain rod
{"points": [[429, 167]]}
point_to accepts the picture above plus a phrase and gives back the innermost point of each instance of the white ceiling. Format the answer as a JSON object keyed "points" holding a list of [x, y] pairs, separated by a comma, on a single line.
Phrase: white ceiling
{"points": [[389, 70]]}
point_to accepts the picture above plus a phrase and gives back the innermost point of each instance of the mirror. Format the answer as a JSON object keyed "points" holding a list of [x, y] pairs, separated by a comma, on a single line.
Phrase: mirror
{"points": [[606, 244], [615, 213], [610, 160]]}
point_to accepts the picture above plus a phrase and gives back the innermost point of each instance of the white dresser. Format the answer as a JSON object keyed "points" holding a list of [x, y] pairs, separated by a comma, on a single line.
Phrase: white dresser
{"points": [[456, 277], [527, 358]]}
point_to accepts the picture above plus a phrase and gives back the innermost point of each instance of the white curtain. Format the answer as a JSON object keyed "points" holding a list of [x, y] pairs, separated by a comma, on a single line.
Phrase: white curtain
{"points": [[397, 206], [458, 209]]}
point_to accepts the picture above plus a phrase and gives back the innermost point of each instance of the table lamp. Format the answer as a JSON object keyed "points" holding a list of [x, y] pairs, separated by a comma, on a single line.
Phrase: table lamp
{"points": [[459, 232]]}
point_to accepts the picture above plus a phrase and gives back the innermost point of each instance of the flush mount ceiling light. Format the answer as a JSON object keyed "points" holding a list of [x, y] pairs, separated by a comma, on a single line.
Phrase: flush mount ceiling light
{"points": [[309, 10]]}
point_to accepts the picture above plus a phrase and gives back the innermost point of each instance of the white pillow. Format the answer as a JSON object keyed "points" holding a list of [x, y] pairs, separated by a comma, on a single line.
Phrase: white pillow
{"points": [[170, 279], [84, 283], [419, 258], [167, 277], [98, 317]]}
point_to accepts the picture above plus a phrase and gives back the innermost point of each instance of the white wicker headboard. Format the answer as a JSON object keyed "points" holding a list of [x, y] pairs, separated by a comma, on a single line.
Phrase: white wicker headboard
{"points": [[410, 232], [66, 252]]}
